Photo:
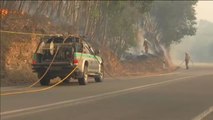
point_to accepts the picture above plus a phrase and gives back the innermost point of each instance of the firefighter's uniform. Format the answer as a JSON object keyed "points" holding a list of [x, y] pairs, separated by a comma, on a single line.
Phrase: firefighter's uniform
{"points": [[146, 47], [187, 58]]}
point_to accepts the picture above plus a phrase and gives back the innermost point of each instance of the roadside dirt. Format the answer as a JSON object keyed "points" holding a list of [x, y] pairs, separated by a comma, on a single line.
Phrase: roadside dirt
{"points": [[17, 49]]}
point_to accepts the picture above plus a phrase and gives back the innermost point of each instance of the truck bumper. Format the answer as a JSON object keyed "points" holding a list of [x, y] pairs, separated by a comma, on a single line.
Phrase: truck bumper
{"points": [[59, 69]]}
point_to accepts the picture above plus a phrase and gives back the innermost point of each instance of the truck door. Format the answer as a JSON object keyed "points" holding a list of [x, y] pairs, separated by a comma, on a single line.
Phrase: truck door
{"points": [[88, 57]]}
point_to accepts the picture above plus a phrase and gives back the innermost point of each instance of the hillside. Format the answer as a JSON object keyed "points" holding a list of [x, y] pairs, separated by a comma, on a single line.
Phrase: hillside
{"points": [[17, 50]]}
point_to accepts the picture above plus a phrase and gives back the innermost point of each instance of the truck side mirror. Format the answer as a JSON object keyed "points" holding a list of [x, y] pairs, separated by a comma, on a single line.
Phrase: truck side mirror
{"points": [[97, 52]]}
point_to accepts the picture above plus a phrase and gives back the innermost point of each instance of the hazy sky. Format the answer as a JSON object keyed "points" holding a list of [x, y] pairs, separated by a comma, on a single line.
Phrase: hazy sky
{"points": [[204, 10]]}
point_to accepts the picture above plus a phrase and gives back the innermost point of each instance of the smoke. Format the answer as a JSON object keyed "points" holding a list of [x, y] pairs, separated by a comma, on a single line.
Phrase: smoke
{"points": [[166, 55], [200, 46], [140, 40]]}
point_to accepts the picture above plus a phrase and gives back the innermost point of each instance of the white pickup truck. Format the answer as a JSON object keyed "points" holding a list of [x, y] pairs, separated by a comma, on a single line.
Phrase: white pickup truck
{"points": [[69, 52]]}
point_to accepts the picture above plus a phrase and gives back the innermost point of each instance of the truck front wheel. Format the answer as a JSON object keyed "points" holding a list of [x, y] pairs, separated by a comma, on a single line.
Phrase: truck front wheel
{"points": [[100, 77]]}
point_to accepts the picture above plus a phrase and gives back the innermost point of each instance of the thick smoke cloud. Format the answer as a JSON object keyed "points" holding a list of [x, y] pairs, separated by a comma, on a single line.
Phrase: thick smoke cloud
{"points": [[200, 46]]}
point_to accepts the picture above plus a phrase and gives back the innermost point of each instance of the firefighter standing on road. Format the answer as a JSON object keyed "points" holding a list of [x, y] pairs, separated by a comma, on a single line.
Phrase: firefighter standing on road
{"points": [[187, 58]]}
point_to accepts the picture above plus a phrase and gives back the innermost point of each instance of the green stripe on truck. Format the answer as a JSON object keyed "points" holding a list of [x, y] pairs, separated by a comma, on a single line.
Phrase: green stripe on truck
{"points": [[78, 55]]}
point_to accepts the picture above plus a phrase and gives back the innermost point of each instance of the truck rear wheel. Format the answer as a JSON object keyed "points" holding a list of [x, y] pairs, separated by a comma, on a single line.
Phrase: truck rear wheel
{"points": [[45, 81], [84, 79]]}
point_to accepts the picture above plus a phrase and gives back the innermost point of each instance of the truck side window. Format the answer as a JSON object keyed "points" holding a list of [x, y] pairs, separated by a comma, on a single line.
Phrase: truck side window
{"points": [[85, 49], [78, 47]]}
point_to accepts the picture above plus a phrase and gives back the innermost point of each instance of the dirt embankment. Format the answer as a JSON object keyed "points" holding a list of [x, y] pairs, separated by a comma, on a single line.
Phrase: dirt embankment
{"points": [[17, 50]]}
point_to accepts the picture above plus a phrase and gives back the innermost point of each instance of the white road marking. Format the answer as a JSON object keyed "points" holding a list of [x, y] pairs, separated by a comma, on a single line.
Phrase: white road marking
{"points": [[6, 89], [204, 114], [18, 112]]}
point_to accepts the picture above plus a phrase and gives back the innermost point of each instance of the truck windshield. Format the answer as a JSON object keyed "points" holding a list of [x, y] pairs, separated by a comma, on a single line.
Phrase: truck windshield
{"points": [[72, 39], [55, 40]]}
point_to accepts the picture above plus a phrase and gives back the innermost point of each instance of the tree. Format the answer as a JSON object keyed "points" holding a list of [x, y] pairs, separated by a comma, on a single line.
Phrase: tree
{"points": [[175, 20], [107, 22], [167, 23]]}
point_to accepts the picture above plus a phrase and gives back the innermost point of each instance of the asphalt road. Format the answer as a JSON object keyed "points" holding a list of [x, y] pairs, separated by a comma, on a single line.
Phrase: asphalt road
{"points": [[181, 95]]}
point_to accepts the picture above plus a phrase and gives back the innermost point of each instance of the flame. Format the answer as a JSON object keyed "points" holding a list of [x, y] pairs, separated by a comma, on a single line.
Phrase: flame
{"points": [[5, 12]]}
